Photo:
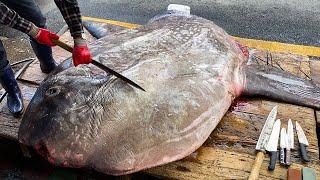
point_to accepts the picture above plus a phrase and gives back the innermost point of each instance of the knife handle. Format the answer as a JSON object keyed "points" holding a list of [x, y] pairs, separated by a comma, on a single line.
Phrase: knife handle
{"points": [[288, 157], [62, 45], [273, 160], [303, 150], [256, 166], [282, 156]]}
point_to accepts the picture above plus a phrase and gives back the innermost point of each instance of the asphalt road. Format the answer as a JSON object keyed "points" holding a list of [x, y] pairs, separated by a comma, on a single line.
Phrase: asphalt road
{"points": [[289, 21]]}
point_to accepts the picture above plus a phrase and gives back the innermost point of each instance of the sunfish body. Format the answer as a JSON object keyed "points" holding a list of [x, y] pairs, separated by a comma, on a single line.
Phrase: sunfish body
{"points": [[191, 70]]}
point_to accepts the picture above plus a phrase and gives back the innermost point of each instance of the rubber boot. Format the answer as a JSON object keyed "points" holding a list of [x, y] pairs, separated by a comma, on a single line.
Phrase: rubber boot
{"points": [[14, 98], [44, 54]]}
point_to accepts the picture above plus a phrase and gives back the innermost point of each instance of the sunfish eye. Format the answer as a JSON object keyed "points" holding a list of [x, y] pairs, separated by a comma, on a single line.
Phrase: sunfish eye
{"points": [[53, 91]]}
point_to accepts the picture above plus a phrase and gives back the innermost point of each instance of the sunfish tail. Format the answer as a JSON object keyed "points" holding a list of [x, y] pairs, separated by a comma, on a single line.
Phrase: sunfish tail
{"points": [[279, 85]]}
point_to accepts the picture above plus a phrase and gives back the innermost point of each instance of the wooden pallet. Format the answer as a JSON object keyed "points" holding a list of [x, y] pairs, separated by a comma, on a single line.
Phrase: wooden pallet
{"points": [[229, 151]]}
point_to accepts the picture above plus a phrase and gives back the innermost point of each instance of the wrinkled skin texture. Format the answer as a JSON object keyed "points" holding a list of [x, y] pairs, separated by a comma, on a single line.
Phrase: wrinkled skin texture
{"points": [[82, 117]]}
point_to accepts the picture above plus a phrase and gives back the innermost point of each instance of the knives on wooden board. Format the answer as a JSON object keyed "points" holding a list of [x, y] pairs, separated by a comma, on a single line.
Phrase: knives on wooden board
{"points": [[262, 142]]}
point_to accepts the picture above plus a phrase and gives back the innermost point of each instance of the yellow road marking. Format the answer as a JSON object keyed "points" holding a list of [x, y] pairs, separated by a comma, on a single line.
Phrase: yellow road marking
{"points": [[251, 43], [112, 22], [280, 47]]}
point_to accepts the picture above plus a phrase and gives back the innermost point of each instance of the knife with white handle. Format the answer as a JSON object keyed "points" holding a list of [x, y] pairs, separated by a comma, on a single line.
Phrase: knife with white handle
{"points": [[303, 142], [283, 146], [290, 137], [272, 145]]}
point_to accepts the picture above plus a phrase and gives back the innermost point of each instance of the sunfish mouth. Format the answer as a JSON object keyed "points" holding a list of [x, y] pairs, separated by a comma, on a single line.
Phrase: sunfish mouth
{"points": [[67, 159]]}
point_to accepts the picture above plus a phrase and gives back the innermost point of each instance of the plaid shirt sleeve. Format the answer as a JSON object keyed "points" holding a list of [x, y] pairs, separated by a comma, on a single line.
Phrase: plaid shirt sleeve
{"points": [[71, 14], [11, 18]]}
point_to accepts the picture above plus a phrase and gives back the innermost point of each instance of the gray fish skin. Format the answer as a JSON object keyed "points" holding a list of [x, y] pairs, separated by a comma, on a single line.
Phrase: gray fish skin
{"points": [[273, 83], [191, 70]]}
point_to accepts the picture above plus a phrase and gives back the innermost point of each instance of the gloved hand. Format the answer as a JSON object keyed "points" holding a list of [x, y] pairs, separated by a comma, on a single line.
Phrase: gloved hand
{"points": [[43, 36], [81, 53]]}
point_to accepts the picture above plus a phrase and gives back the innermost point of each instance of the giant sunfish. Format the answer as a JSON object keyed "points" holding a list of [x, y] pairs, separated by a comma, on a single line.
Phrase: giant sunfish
{"points": [[191, 69]]}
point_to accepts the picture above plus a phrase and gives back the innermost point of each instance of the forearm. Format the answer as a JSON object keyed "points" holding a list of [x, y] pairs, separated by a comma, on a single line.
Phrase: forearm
{"points": [[71, 14], [12, 19]]}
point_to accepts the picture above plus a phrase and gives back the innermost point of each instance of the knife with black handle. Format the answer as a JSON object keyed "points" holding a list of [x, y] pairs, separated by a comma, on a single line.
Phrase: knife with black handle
{"points": [[303, 150], [273, 160], [272, 145], [303, 142]]}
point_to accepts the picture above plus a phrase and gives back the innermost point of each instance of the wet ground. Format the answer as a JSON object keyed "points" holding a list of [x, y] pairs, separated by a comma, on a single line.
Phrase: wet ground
{"points": [[17, 48]]}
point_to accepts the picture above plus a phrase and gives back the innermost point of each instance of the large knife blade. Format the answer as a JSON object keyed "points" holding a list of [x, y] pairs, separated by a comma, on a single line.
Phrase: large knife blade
{"points": [[266, 130], [290, 137], [262, 142], [98, 64], [272, 145], [303, 142], [283, 145]]}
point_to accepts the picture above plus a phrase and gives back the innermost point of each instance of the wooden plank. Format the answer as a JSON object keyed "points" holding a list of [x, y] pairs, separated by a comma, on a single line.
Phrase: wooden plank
{"points": [[298, 65], [215, 163], [318, 118], [33, 74], [315, 69]]}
